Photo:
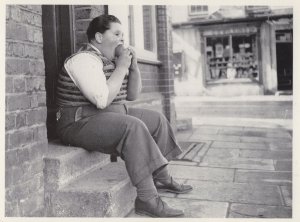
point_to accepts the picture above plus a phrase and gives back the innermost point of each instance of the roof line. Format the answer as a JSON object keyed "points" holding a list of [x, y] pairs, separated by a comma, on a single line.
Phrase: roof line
{"points": [[231, 20]]}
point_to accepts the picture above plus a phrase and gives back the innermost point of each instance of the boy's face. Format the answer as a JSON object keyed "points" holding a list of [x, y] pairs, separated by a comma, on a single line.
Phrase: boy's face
{"points": [[113, 37]]}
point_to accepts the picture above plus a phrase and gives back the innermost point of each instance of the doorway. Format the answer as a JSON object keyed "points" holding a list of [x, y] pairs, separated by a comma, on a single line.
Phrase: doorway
{"points": [[58, 38], [284, 54]]}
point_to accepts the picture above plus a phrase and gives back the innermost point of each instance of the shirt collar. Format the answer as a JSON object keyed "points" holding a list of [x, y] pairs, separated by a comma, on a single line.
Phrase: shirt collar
{"points": [[94, 47]]}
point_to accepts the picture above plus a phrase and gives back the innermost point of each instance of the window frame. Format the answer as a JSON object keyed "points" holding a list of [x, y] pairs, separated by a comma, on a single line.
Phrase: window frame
{"points": [[143, 55], [235, 80], [197, 13]]}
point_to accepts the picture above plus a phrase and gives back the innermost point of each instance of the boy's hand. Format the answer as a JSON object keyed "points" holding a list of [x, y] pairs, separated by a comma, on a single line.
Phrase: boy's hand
{"points": [[134, 64], [124, 59]]}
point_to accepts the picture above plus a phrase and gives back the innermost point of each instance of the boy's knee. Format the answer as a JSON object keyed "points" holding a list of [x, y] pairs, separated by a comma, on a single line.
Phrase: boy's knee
{"points": [[133, 122]]}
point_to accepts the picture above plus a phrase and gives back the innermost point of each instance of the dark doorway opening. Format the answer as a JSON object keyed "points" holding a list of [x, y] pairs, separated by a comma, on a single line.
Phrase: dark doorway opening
{"points": [[58, 45], [284, 54]]}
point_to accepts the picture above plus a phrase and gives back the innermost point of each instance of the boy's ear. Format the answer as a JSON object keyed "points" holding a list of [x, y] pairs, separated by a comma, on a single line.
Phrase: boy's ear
{"points": [[98, 37]]}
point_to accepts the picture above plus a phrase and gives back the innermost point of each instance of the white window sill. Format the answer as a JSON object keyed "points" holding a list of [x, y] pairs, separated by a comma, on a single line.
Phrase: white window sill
{"points": [[146, 57]]}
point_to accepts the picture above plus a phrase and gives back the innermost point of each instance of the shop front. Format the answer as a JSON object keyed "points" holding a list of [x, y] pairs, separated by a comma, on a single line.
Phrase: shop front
{"points": [[242, 56], [247, 57], [231, 63], [231, 54]]}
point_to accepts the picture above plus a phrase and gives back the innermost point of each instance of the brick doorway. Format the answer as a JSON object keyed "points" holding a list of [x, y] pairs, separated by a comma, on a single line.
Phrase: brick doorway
{"points": [[58, 35]]}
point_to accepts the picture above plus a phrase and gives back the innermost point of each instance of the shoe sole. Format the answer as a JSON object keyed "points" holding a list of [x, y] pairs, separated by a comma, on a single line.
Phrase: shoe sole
{"points": [[174, 191], [145, 213]]}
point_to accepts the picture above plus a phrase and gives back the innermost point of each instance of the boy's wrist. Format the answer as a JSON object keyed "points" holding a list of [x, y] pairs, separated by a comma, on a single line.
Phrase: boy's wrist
{"points": [[133, 66], [122, 69]]}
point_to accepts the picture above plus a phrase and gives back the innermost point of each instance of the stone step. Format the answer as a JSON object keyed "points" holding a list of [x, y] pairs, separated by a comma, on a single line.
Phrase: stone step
{"points": [[103, 192], [239, 108], [63, 164]]}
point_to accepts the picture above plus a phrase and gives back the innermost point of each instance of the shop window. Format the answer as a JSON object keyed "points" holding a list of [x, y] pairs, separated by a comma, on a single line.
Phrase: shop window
{"points": [[231, 57]]}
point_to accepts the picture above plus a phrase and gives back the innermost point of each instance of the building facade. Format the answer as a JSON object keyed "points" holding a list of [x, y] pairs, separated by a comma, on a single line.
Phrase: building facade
{"points": [[38, 39], [243, 50]]}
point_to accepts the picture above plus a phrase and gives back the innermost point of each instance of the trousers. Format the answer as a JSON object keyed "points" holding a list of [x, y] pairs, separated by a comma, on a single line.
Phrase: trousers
{"points": [[143, 138]]}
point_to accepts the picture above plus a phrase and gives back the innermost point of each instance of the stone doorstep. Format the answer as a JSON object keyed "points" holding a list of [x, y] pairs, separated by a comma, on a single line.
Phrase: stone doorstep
{"points": [[103, 192], [65, 163]]}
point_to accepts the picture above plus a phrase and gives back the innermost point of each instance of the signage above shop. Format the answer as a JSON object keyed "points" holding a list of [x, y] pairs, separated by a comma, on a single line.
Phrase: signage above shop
{"points": [[230, 31]]}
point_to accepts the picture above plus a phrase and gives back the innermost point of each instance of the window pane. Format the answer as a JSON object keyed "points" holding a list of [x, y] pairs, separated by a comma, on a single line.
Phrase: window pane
{"points": [[231, 59], [138, 26], [148, 27], [193, 8], [244, 57]]}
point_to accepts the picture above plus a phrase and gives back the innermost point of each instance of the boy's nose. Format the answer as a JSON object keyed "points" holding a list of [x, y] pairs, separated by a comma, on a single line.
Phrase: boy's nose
{"points": [[122, 39]]}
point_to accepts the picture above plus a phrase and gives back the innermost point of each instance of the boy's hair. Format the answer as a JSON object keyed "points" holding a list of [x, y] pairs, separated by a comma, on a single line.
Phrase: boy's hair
{"points": [[100, 24]]}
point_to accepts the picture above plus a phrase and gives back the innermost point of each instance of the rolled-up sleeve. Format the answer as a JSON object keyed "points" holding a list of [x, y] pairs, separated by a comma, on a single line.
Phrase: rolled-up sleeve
{"points": [[86, 71]]}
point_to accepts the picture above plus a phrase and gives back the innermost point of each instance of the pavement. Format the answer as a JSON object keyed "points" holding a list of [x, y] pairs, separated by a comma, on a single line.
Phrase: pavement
{"points": [[239, 168]]}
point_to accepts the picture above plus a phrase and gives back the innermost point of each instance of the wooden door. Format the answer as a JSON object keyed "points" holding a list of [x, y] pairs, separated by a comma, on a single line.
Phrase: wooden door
{"points": [[58, 38]]}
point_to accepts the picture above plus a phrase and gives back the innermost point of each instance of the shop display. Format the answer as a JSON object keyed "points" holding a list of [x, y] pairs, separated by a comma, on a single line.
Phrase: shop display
{"points": [[231, 57]]}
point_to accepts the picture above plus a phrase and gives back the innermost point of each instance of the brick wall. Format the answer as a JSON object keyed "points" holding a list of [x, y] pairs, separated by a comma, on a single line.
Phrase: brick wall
{"points": [[83, 15], [25, 110], [150, 78], [164, 44]]}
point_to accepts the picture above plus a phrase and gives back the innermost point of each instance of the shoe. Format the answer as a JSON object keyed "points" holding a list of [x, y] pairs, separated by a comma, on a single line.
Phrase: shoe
{"points": [[155, 208], [173, 187]]}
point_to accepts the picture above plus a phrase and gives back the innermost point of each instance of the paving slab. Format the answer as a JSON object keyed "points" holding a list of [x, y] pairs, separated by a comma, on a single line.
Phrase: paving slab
{"points": [[184, 135], [283, 165], [228, 138], [199, 209], [281, 146], [255, 139], [238, 145], [283, 134], [183, 163], [267, 133], [228, 128], [206, 130], [201, 173], [234, 192], [239, 163], [264, 129], [194, 208], [287, 194], [223, 153], [265, 177], [228, 131], [267, 154], [259, 211]]}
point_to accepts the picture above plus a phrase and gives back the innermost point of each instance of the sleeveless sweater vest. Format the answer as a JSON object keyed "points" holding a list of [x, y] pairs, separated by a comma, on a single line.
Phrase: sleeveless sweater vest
{"points": [[68, 94]]}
